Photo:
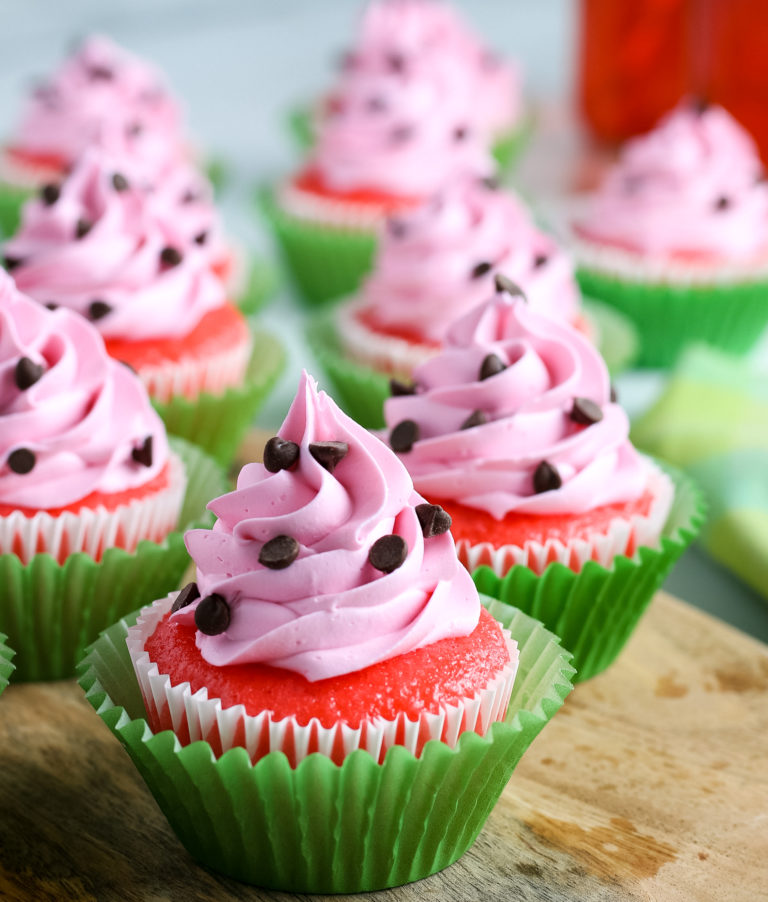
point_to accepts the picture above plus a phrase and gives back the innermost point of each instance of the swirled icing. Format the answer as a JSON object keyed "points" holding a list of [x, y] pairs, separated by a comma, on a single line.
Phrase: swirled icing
{"points": [[491, 466], [330, 612]]}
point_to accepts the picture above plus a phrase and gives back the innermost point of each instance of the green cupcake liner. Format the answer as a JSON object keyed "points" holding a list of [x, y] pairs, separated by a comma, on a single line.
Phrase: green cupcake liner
{"points": [[325, 262], [218, 423], [618, 341], [51, 612], [322, 827], [669, 317], [12, 199], [595, 611], [6, 667]]}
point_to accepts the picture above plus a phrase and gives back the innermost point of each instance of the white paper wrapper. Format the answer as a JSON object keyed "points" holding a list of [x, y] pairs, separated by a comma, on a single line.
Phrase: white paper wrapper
{"points": [[340, 214], [624, 536], [94, 530], [191, 377], [193, 716]]}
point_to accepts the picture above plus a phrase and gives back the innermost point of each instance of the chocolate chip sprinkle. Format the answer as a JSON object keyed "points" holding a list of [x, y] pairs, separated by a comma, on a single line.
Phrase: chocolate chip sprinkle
{"points": [[614, 395], [98, 310], [388, 553], [27, 372], [190, 197], [433, 519], [51, 305], [492, 365], [279, 552], [201, 238], [143, 454], [396, 62], [375, 104], [170, 256], [504, 283], [212, 615], [403, 437], [21, 461], [476, 418], [82, 228], [280, 454], [398, 389], [481, 269], [585, 412], [329, 454], [100, 73], [491, 182], [50, 193], [396, 228], [135, 129], [186, 596], [540, 260], [120, 182], [723, 203], [460, 133], [546, 478], [699, 105], [12, 262], [129, 366], [401, 133]]}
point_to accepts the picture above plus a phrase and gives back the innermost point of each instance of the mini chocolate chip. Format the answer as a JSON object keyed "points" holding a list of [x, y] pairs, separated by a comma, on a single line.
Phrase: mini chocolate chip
{"points": [[128, 366], [433, 519], [11, 262], [143, 454], [388, 553], [481, 269], [546, 478], [504, 283], [401, 133], [135, 129], [49, 194], [21, 461], [492, 365], [279, 553], [119, 182], [398, 388], [212, 615], [51, 305], [98, 310], [540, 260], [460, 133], [476, 418], [699, 105], [82, 228], [491, 182], [190, 197], [100, 73], [201, 237], [397, 228], [329, 454], [375, 104], [586, 412], [170, 256], [27, 372], [280, 454], [723, 203], [396, 62], [186, 596], [614, 395], [403, 436]]}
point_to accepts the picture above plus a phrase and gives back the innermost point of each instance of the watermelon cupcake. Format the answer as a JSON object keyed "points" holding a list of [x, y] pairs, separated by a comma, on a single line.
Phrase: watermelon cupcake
{"points": [[113, 252], [676, 237], [393, 139], [90, 490], [6, 663], [512, 430], [332, 637]]}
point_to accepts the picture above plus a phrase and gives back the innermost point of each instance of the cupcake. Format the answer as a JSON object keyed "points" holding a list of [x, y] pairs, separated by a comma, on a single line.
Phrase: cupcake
{"points": [[393, 139], [512, 430], [112, 252], [676, 237], [333, 638], [6, 663], [90, 490], [103, 96]]}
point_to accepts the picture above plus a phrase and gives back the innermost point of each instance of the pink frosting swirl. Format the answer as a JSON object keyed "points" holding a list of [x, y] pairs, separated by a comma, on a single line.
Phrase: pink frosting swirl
{"points": [[330, 612], [692, 186], [437, 262], [527, 408], [99, 241], [81, 419], [104, 96]]}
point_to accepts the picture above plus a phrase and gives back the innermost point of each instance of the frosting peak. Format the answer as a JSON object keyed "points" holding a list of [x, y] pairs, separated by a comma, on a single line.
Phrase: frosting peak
{"points": [[328, 611]]}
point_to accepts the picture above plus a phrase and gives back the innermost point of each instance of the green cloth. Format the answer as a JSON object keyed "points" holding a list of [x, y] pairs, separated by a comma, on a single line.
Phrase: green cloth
{"points": [[712, 421]]}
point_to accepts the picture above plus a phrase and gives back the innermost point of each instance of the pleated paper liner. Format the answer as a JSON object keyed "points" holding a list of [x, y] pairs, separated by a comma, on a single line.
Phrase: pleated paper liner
{"points": [[52, 611], [218, 423], [595, 610], [12, 199], [325, 262], [6, 665], [361, 390], [322, 827]]}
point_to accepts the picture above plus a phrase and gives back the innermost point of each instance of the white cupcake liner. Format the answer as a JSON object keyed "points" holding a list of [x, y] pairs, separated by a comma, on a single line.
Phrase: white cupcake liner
{"points": [[327, 211], [93, 530], [191, 377], [193, 716], [623, 537]]}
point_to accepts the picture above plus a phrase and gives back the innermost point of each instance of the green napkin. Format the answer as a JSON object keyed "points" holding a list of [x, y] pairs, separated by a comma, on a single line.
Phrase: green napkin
{"points": [[712, 421]]}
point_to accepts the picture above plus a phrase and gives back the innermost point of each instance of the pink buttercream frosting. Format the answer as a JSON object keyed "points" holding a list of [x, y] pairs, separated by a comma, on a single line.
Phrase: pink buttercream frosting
{"points": [[329, 612], [437, 262], [119, 258], [527, 405], [104, 96], [81, 419], [692, 186]]}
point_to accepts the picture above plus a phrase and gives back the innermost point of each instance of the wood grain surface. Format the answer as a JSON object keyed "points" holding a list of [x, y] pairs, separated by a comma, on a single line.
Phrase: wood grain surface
{"points": [[649, 784]]}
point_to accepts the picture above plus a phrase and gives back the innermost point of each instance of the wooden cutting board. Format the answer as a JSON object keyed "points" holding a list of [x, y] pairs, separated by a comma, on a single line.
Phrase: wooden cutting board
{"points": [[650, 783]]}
